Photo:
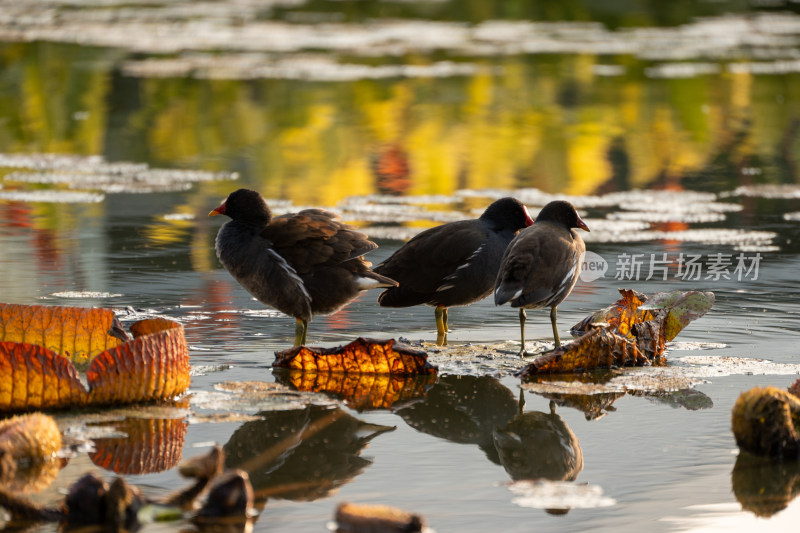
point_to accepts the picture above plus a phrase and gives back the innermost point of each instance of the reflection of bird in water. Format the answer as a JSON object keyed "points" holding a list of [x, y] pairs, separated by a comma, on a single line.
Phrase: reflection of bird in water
{"points": [[536, 445], [452, 264], [463, 409], [301, 454], [301, 264]]}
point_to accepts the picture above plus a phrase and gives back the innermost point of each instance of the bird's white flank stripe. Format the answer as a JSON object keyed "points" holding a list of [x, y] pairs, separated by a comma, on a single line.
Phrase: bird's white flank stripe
{"points": [[292, 273]]}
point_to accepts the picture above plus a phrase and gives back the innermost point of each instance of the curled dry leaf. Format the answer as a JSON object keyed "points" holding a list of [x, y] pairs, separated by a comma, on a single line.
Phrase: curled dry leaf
{"points": [[149, 446], [766, 421], [152, 366], [634, 331], [618, 317], [76, 333], [598, 348], [28, 444], [362, 391], [362, 356], [29, 438], [679, 309]]}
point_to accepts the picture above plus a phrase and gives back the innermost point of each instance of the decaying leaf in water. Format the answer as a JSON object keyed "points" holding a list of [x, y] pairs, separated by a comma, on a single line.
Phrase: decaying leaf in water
{"points": [[354, 518], [361, 391], [362, 356], [152, 366], [28, 444], [677, 307], [33, 377], [29, 438], [681, 308], [634, 331], [766, 421], [618, 317], [598, 348], [149, 446]]}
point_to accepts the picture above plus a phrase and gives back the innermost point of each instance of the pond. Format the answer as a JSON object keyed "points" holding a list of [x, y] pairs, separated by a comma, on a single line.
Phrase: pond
{"points": [[673, 129]]}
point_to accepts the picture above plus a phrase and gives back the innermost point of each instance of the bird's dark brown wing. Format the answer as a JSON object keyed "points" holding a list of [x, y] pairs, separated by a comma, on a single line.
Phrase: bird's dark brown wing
{"points": [[313, 238], [539, 267], [423, 263]]}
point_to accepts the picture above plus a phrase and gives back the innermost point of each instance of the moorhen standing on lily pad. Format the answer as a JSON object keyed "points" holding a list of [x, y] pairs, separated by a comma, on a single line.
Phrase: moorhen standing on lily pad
{"points": [[542, 264], [301, 264], [453, 264]]}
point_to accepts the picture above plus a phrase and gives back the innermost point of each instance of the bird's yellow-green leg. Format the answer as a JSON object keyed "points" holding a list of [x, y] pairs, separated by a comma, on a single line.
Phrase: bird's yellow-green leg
{"points": [[441, 325], [300, 332], [441, 319], [553, 314], [522, 317]]}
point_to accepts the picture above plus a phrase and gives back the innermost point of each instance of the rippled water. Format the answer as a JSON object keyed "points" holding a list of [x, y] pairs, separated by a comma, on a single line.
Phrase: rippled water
{"points": [[400, 119]]}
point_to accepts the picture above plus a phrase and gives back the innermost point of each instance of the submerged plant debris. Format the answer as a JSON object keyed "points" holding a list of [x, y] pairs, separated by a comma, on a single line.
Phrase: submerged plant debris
{"points": [[631, 332], [766, 422]]}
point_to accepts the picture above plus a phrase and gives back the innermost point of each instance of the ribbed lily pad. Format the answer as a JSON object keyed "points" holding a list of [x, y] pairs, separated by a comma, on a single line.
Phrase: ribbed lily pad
{"points": [[42, 349]]}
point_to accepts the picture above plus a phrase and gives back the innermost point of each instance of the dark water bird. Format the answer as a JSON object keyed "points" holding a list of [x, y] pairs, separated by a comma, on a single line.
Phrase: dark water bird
{"points": [[542, 264], [453, 264], [302, 264]]}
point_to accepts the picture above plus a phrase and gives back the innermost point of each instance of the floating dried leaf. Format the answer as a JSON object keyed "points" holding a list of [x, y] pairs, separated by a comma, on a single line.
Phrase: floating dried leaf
{"points": [[682, 308], [32, 377], [357, 518], [766, 421], [76, 333], [618, 317], [28, 444], [362, 356], [597, 349], [154, 365]]}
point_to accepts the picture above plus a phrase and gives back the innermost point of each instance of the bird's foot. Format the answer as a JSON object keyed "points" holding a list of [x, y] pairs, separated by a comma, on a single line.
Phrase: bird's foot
{"points": [[523, 352]]}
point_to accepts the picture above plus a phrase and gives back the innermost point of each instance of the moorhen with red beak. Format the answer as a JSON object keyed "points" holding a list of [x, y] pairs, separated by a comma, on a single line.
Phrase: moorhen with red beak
{"points": [[453, 264], [542, 264], [301, 264]]}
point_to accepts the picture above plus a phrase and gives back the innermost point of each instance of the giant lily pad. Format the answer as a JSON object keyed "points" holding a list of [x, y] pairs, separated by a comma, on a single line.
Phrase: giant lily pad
{"points": [[362, 356], [42, 348]]}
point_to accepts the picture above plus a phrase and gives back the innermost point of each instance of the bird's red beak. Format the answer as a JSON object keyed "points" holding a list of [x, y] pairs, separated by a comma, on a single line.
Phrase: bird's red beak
{"points": [[582, 224], [528, 219], [219, 210]]}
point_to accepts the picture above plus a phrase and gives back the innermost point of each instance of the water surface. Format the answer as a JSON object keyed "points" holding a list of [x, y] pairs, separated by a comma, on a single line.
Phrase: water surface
{"points": [[674, 131]]}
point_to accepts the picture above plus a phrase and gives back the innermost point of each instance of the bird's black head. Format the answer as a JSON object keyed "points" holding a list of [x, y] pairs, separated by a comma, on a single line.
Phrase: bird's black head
{"points": [[507, 213], [563, 213], [245, 205]]}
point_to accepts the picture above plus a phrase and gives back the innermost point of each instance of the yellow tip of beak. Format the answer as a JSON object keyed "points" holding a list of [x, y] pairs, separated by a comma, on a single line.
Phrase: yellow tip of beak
{"points": [[213, 213]]}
